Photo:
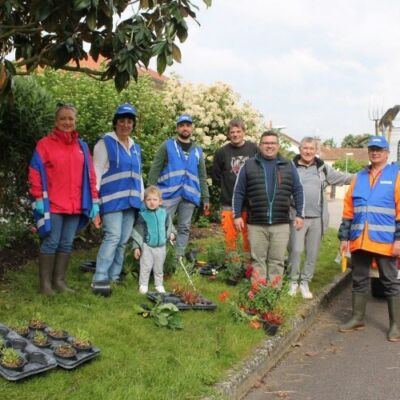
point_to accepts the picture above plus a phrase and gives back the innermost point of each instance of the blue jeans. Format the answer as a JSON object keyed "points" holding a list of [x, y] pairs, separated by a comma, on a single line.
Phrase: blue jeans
{"points": [[117, 227], [184, 210], [61, 238]]}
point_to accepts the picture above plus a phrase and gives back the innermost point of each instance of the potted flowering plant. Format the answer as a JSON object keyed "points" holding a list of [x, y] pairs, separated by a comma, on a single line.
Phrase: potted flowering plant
{"points": [[40, 339], [271, 320], [258, 295], [57, 333], [81, 342], [21, 327], [11, 359], [37, 322], [65, 351]]}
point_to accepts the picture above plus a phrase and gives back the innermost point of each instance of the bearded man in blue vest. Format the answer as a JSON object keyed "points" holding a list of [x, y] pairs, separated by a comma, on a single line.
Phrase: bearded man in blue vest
{"points": [[179, 170]]}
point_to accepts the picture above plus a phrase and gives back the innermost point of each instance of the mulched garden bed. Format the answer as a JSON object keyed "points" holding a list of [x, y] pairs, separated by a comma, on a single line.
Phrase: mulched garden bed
{"points": [[21, 251]]}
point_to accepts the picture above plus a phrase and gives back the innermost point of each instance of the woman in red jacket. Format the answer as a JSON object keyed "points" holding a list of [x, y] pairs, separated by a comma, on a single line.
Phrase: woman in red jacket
{"points": [[63, 186]]}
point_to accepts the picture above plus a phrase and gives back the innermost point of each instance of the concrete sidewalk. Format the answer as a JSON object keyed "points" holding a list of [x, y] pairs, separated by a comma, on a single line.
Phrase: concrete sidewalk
{"points": [[246, 374]]}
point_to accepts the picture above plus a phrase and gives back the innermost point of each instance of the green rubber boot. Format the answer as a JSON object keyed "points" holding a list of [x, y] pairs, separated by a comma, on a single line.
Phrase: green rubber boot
{"points": [[46, 268], [356, 322], [394, 318], [60, 270]]}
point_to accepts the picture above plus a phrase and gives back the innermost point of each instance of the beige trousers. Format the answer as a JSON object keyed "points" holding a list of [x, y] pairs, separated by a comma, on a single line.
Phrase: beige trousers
{"points": [[268, 244]]}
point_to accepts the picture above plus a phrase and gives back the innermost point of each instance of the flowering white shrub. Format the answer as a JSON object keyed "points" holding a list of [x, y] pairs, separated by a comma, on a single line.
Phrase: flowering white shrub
{"points": [[212, 107]]}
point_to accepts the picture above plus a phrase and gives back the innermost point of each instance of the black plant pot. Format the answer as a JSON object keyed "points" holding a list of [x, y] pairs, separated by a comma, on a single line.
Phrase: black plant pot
{"points": [[231, 281], [64, 335], [17, 368], [67, 356], [81, 348], [270, 329]]}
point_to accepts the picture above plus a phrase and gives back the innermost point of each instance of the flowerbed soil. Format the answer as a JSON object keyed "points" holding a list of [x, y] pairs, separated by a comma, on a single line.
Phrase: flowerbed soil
{"points": [[21, 251]]}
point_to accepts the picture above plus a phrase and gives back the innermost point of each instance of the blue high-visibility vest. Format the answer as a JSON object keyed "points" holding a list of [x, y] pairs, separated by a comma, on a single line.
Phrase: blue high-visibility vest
{"points": [[180, 178], [375, 205], [121, 185]]}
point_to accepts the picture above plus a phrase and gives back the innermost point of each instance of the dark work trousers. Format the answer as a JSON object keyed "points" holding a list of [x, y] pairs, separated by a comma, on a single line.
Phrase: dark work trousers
{"points": [[361, 263]]}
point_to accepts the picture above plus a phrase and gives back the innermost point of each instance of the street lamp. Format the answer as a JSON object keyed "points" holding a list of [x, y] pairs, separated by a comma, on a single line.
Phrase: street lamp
{"points": [[347, 160]]}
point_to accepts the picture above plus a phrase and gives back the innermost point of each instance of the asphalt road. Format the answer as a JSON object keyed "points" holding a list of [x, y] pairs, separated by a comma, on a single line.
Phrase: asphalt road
{"points": [[328, 365]]}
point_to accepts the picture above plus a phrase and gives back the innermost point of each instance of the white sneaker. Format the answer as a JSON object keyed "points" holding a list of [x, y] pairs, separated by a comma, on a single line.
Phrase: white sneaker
{"points": [[305, 291], [293, 289], [143, 289], [160, 289]]}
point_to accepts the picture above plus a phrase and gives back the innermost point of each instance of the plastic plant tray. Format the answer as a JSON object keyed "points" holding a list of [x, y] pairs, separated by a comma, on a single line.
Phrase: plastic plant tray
{"points": [[36, 360], [210, 269], [204, 304], [88, 266], [67, 363]]}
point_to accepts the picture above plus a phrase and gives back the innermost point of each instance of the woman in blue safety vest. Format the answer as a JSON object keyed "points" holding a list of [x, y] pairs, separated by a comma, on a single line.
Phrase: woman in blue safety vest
{"points": [[117, 161]]}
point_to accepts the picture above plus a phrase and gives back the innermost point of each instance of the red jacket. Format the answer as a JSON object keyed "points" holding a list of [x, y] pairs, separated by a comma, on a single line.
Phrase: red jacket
{"points": [[63, 161]]}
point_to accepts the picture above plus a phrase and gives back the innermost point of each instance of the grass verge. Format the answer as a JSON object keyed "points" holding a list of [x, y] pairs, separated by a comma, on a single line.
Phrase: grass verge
{"points": [[138, 360]]}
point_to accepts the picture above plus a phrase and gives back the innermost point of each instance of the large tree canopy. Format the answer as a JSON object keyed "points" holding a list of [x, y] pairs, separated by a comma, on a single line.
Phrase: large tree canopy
{"points": [[53, 32], [356, 141]]}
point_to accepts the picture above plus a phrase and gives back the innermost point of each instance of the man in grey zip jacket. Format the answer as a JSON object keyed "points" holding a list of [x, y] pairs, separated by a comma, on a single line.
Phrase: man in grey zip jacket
{"points": [[315, 176]]}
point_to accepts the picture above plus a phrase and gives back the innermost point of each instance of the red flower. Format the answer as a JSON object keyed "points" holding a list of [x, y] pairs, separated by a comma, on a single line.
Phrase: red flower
{"points": [[249, 271], [250, 295], [254, 286], [262, 282], [223, 296]]}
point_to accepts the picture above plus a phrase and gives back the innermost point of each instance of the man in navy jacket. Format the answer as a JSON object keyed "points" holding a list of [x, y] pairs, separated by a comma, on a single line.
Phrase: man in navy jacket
{"points": [[265, 185]]}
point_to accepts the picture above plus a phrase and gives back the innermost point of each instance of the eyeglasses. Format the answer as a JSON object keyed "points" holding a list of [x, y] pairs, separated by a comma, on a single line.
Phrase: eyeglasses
{"points": [[376, 149], [270, 143]]}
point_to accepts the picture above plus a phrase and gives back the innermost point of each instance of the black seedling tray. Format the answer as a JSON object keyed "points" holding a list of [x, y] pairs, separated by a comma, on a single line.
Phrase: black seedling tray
{"points": [[204, 304], [36, 361], [67, 363], [88, 266]]}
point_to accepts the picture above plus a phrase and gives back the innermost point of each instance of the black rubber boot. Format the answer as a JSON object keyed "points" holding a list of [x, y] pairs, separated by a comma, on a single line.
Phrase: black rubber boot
{"points": [[60, 270], [46, 268], [356, 322], [394, 318]]}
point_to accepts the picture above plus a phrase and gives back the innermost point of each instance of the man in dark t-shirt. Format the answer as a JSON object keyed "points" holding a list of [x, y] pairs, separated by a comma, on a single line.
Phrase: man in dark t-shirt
{"points": [[227, 162]]}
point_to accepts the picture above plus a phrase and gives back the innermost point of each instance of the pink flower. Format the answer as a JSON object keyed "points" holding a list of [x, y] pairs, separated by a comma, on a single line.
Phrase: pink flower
{"points": [[276, 280], [250, 295]]}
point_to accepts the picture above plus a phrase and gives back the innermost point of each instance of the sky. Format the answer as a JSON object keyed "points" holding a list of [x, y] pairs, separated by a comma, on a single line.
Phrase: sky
{"points": [[318, 68]]}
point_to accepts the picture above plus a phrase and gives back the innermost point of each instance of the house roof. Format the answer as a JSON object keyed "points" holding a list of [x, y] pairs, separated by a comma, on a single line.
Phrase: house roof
{"points": [[92, 64], [292, 140], [333, 154]]}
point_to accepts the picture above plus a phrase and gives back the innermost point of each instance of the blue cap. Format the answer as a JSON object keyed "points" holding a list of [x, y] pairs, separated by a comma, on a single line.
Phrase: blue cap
{"points": [[184, 118], [378, 141], [126, 108]]}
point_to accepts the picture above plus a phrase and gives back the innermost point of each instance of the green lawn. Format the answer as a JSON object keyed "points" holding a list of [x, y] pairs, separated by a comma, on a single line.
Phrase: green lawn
{"points": [[138, 359]]}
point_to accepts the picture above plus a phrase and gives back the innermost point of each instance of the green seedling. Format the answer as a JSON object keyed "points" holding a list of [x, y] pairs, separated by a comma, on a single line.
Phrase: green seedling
{"points": [[10, 358]]}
